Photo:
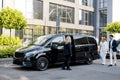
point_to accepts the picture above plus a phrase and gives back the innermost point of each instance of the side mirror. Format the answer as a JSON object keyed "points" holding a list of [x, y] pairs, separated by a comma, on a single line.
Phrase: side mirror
{"points": [[54, 46]]}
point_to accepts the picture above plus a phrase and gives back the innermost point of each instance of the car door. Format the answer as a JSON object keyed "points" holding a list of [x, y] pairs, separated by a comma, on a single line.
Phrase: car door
{"points": [[93, 48], [80, 48], [57, 50]]}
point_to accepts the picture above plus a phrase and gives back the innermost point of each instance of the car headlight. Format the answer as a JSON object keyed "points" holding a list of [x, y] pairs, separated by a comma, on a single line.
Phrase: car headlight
{"points": [[30, 53]]}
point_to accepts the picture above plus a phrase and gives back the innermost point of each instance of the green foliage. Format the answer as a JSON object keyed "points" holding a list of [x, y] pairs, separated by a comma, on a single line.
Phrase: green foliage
{"points": [[5, 40], [113, 28], [7, 46], [12, 19], [7, 51]]}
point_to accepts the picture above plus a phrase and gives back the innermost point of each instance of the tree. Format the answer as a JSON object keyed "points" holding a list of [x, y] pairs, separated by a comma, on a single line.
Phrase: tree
{"points": [[113, 28], [12, 19]]}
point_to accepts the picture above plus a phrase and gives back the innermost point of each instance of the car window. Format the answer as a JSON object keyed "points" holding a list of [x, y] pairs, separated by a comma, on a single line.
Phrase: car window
{"points": [[42, 40], [91, 40], [59, 41], [81, 41]]}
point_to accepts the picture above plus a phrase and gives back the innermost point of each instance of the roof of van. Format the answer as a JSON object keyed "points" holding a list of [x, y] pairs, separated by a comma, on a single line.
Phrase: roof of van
{"points": [[74, 35]]}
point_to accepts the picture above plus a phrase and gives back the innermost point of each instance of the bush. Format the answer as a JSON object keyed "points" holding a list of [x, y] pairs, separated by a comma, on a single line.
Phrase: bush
{"points": [[9, 41], [7, 51], [8, 45]]}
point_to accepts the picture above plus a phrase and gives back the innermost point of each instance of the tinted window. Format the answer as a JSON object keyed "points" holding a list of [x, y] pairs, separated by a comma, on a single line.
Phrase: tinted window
{"points": [[58, 41], [91, 40], [42, 40], [80, 41]]}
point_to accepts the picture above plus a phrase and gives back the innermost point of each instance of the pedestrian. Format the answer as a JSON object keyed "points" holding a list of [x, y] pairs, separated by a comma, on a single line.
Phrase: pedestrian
{"points": [[103, 49], [67, 53], [113, 50]]}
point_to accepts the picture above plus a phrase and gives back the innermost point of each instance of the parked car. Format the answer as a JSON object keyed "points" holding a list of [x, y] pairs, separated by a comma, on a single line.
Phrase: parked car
{"points": [[48, 49]]}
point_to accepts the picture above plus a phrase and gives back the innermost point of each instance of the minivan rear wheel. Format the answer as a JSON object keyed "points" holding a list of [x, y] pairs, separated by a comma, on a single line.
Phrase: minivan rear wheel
{"points": [[89, 59], [42, 63]]}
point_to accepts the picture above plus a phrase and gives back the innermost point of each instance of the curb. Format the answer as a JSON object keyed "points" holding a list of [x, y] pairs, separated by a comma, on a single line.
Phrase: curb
{"points": [[5, 60]]}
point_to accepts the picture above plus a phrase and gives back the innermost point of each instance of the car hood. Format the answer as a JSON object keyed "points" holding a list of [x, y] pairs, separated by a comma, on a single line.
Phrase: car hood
{"points": [[29, 49]]}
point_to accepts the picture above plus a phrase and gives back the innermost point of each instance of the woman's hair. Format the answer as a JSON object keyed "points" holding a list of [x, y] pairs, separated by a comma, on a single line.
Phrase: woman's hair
{"points": [[104, 38], [67, 40]]}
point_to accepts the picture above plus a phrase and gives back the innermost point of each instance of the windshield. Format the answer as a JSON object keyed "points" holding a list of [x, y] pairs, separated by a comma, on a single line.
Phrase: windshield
{"points": [[42, 40]]}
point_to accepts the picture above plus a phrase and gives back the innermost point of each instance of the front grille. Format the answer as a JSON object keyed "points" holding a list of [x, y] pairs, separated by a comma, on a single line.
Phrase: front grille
{"points": [[19, 54]]}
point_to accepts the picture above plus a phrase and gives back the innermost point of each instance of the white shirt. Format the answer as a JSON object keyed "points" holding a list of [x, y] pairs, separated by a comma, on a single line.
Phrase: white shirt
{"points": [[111, 43], [104, 46]]}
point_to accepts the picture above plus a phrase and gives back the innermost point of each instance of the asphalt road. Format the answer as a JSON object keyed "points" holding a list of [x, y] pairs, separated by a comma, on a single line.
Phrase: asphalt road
{"points": [[96, 71]]}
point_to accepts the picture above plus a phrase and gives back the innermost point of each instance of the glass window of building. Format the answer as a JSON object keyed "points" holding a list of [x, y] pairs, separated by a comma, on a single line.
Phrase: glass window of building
{"points": [[66, 14], [19, 33], [85, 17], [102, 3], [31, 32], [34, 9], [70, 0], [68, 30], [38, 9], [53, 12], [103, 17], [86, 2]]}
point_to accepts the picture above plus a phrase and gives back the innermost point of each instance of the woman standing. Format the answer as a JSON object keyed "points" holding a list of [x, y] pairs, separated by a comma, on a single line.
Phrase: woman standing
{"points": [[103, 49], [67, 53]]}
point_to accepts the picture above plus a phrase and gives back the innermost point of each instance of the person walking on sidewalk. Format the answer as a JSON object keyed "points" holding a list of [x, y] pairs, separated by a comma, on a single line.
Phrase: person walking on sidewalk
{"points": [[103, 49], [113, 50], [67, 53]]}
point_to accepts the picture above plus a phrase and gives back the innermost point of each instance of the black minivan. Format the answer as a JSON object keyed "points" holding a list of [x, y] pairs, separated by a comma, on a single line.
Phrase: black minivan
{"points": [[48, 49]]}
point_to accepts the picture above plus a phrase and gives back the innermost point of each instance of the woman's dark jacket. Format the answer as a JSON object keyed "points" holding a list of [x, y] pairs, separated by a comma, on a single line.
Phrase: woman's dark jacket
{"points": [[67, 49]]}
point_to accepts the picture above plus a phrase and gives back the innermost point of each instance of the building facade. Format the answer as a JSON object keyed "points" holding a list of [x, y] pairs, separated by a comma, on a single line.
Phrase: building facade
{"points": [[70, 16], [101, 15], [106, 11]]}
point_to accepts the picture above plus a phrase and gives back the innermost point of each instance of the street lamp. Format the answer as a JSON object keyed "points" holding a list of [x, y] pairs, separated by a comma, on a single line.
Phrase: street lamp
{"points": [[57, 23]]}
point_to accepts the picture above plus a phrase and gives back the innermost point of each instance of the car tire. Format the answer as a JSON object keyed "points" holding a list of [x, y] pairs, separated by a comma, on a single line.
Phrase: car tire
{"points": [[89, 60], [42, 63]]}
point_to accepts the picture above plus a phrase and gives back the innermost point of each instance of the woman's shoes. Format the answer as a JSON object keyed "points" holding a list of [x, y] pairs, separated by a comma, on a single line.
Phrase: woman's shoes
{"points": [[110, 65], [63, 68], [68, 69]]}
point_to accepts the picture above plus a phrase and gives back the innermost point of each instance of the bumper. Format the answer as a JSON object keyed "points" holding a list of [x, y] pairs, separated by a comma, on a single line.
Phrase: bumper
{"points": [[17, 61], [22, 62], [27, 64]]}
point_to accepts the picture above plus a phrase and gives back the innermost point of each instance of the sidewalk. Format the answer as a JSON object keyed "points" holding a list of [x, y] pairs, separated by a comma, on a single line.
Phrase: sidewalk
{"points": [[5, 61], [98, 61]]}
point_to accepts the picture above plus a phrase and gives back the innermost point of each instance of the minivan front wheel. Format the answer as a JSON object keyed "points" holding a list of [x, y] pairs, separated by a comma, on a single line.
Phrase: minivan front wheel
{"points": [[89, 60], [42, 63]]}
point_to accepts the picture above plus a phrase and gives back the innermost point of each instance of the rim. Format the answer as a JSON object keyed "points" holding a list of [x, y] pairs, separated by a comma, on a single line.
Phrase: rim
{"points": [[42, 64]]}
